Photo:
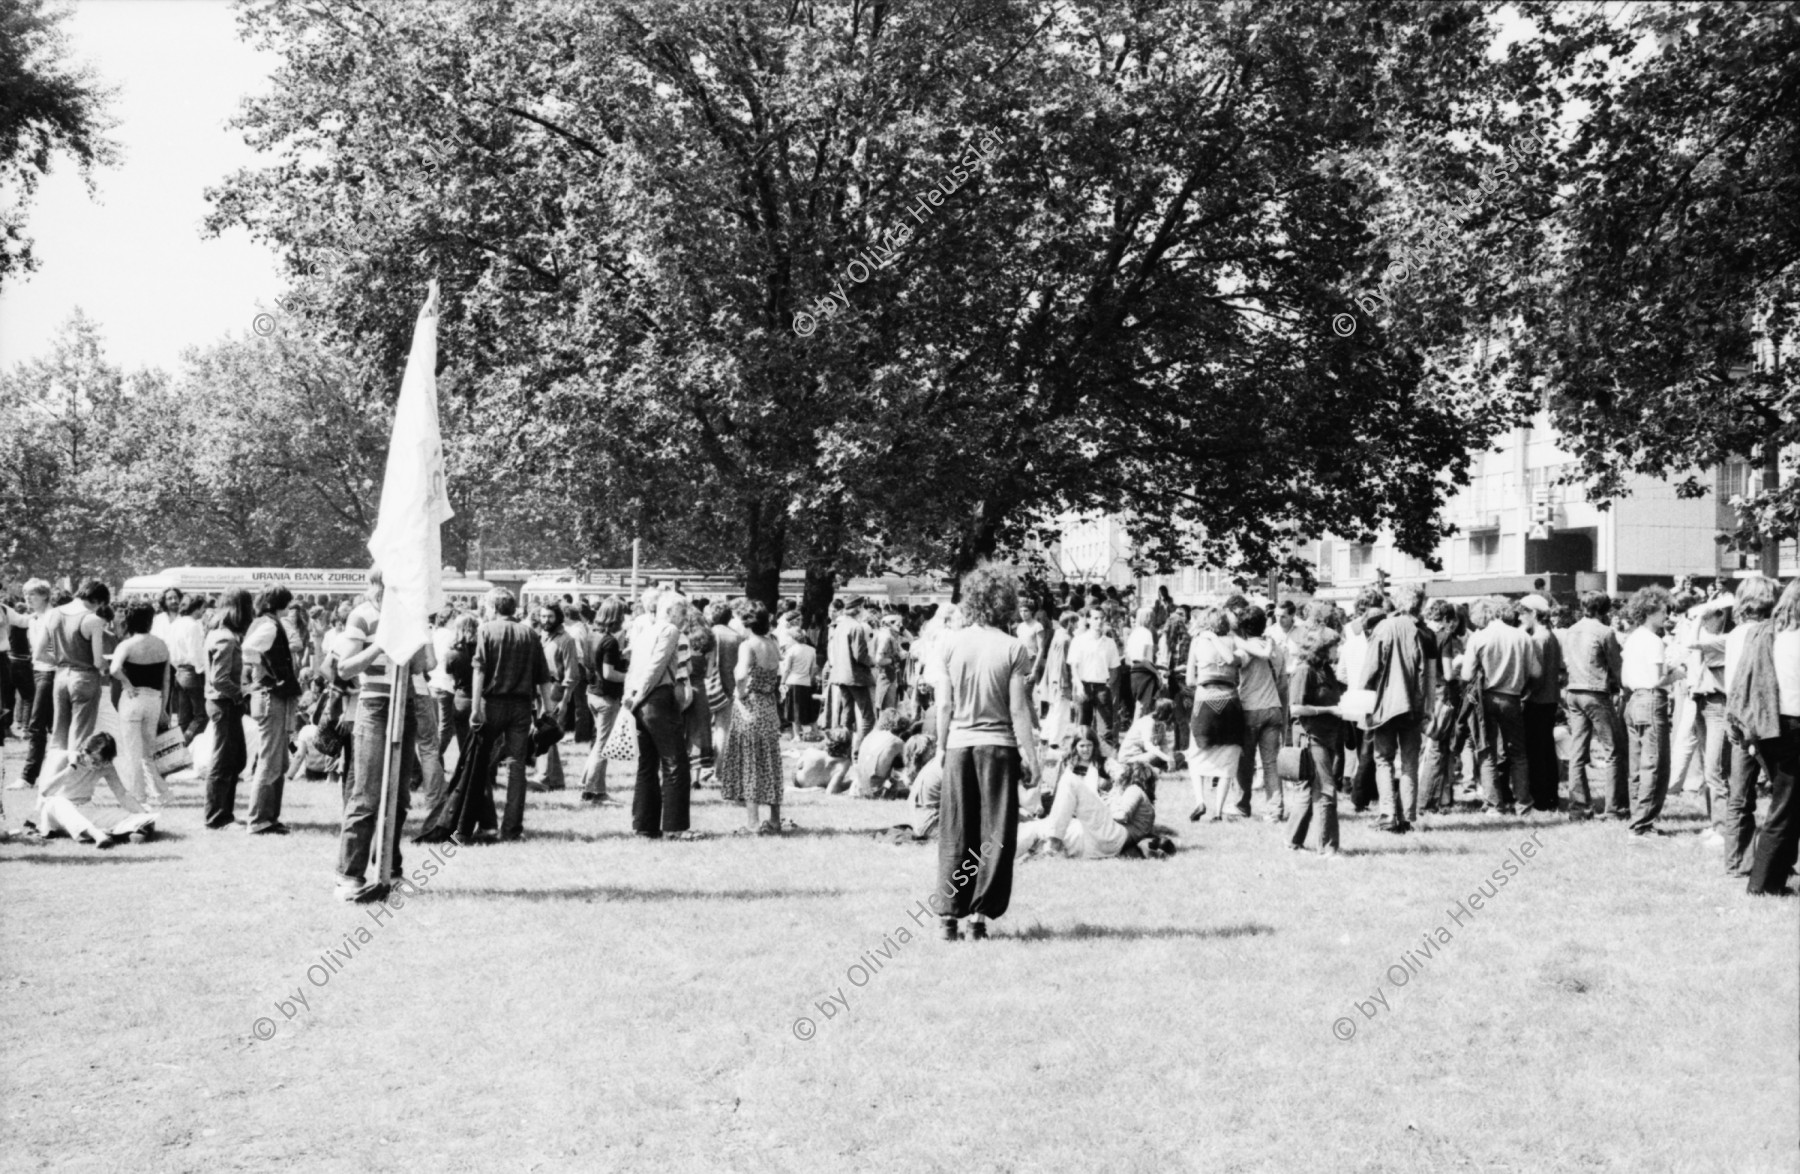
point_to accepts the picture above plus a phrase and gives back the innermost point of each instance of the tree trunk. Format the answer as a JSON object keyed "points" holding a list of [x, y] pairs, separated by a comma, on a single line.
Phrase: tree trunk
{"points": [[815, 598], [1770, 555], [763, 551]]}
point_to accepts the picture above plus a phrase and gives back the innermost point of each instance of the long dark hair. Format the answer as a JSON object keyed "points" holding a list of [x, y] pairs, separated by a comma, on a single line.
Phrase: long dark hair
{"points": [[235, 612]]}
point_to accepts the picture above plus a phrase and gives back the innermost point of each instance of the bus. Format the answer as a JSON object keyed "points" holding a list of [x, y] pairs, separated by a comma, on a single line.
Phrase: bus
{"points": [[310, 585]]}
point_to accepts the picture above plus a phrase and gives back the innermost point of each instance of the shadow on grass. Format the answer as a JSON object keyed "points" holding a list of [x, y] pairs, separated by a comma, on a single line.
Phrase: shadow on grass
{"points": [[1412, 848], [1082, 931], [120, 855], [627, 893]]}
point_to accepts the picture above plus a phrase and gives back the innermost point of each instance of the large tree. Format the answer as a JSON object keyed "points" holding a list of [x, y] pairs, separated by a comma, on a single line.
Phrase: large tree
{"points": [[49, 106], [1666, 341], [1122, 299]]}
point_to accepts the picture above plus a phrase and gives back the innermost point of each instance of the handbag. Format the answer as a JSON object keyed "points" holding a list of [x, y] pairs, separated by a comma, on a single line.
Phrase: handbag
{"points": [[621, 744], [171, 753]]}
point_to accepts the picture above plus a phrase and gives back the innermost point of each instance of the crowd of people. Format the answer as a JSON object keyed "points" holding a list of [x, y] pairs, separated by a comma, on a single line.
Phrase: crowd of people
{"points": [[1037, 723]]}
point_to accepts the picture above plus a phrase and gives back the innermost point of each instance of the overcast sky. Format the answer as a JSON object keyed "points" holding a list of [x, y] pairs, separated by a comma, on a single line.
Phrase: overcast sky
{"points": [[132, 254]]}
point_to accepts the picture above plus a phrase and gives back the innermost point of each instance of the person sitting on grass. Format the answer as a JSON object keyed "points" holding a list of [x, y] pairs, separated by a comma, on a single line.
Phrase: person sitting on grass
{"points": [[924, 775], [1150, 740], [1084, 824], [1083, 756], [877, 760], [66, 805], [825, 766]]}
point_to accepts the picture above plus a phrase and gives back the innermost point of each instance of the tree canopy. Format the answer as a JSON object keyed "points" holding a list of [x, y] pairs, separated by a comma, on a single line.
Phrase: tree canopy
{"points": [[1127, 233], [48, 107]]}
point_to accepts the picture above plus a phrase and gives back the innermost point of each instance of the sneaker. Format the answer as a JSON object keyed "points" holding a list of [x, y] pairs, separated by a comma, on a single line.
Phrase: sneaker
{"points": [[274, 829], [1195, 815], [948, 930], [20, 785], [978, 931]]}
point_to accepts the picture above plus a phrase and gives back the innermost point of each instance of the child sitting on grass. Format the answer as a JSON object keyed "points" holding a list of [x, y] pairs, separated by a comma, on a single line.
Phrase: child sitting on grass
{"points": [[826, 766]]}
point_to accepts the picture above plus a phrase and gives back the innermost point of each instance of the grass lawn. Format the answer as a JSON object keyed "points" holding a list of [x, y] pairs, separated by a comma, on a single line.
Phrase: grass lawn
{"points": [[589, 1001]]}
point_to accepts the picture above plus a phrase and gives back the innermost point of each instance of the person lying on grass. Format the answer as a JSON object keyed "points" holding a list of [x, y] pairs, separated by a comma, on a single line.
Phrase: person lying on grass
{"points": [[66, 805], [825, 766], [1085, 824]]}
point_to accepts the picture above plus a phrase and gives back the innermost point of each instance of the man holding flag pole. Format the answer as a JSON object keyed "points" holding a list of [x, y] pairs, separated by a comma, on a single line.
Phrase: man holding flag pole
{"points": [[406, 587]]}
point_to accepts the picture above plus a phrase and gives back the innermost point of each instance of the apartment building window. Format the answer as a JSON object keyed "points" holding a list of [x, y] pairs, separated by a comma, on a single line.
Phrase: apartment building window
{"points": [[1362, 560], [1484, 552], [1736, 478]]}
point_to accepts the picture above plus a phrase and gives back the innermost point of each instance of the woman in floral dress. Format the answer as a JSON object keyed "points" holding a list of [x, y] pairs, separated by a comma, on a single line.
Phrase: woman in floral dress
{"points": [[750, 768]]}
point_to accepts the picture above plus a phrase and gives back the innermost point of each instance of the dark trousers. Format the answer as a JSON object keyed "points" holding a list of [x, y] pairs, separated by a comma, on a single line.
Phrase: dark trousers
{"points": [[854, 703], [229, 757], [1322, 741], [978, 831], [1647, 736], [1363, 789], [1143, 691], [503, 735], [15, 690], [1779, 840], [1540, 755], [1506, 721], [1591, 722], [43, 691], [190, 703], [1096, 700], [660, 802]]}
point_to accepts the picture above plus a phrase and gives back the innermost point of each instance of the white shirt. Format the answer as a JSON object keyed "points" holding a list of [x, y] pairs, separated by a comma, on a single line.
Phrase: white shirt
{"points": [[1642, 667], [1787, 671], [1141, 645], [1734, 652], [187, 642], [1093, 657], [441, 640], [38, 633]]}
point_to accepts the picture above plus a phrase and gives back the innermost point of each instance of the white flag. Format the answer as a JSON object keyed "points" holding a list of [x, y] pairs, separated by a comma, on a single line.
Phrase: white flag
{"points": [[407, 543]]}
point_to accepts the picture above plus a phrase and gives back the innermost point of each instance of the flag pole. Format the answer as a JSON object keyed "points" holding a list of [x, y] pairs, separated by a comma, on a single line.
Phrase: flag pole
{"points": [[387, 830]]}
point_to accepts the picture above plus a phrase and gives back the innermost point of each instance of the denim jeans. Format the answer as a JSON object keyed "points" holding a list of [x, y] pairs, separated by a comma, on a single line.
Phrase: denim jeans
{"points": [[139, 711], [1323, 741], [1591, 721], [43, 716], [1262, 737], [1647, 735], [228, 760], [77, 705], [1506, 721], [1739, 825], [606, 715], [660, 803], [362, 788], [274, 717], [1707, 738], [190, 702], [1397, 767]]}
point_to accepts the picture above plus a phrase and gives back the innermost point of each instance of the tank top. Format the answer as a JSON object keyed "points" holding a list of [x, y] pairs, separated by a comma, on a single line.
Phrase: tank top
{"points": [[145, 676], [69, 646]]}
